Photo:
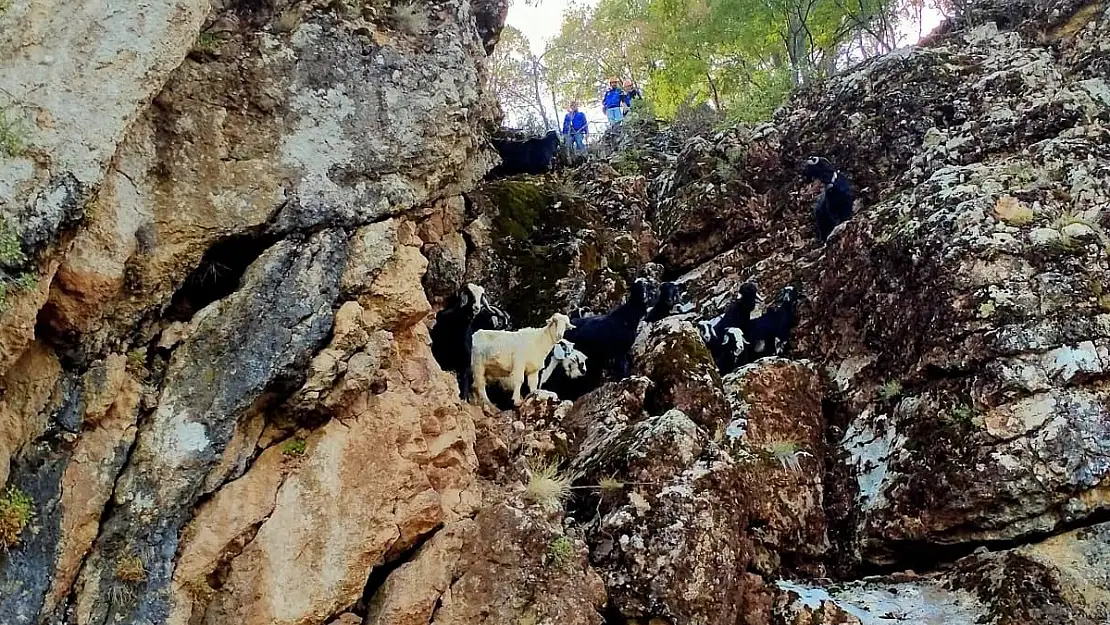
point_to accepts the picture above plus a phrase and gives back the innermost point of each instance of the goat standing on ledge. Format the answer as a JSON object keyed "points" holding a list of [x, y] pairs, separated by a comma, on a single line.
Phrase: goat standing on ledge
{"points": [[516, 355], [834, 207]]}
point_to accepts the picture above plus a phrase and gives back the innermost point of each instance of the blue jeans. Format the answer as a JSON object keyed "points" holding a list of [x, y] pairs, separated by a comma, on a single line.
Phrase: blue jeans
{"points": [[614, 115], [577, 142]]}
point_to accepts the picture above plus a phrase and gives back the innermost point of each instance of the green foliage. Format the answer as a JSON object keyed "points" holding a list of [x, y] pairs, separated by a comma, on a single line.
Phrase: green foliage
{"points": [[294, 448], [136, 360], [4, 6], [16, 510], [26, 281], [891, 390], [13, 133], [560, 552], [628, 162]]}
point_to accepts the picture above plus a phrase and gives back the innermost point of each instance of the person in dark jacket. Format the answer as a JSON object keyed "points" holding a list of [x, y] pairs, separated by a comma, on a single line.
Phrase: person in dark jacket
{"points": [[612, 103], [575, 128], [630, 93]]}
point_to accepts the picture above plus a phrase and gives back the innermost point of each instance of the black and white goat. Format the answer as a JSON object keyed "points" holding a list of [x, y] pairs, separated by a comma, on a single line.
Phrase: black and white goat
{"points": [[769, 334], [834, 207], [564, 365], [466, 312], [669, 297], [607, 339], [726, 338]]}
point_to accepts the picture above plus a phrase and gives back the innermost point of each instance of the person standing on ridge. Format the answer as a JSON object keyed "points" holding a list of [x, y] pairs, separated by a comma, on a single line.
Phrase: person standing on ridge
{"points": [[630, 93], [612, 103], [575, 128]]}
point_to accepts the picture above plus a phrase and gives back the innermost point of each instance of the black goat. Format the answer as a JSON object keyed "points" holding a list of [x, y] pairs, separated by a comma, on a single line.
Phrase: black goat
{"points": [[737, 316], [452, 335], [669, 296], [607, 339], [531, 156], [769, 334], [834, 207]]}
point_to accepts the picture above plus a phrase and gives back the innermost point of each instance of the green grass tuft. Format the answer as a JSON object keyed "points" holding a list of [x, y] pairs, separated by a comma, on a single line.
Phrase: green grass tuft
{"points": [[891, 390], [786, 453], [560, 552]]}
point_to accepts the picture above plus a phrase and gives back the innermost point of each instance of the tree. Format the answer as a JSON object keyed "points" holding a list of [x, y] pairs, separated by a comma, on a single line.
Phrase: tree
{"points": [[518, 78]]}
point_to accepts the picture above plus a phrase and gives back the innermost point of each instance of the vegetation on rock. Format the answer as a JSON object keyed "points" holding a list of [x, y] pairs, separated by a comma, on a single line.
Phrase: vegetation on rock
{"points": [[16, 510]]}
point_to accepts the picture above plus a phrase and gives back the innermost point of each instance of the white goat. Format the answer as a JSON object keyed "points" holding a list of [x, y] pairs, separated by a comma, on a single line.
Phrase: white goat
{"points": [[516, 355]]}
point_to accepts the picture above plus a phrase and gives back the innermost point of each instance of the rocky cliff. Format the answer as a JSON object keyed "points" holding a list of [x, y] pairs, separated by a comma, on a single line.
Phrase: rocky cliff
{"points": [[224, 226]]}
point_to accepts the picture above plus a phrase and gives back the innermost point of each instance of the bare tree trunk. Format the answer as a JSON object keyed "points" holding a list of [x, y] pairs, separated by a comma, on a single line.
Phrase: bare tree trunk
{"points": [[539, 93], [715, 94]]}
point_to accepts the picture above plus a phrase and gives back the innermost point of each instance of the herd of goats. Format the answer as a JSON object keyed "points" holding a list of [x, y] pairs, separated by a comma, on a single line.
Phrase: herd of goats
{"points": [[570, 356]]}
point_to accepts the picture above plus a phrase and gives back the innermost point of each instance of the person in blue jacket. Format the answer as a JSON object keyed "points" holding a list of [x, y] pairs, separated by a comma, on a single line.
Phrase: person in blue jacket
{"points": [[575, 128], [612, 102]]}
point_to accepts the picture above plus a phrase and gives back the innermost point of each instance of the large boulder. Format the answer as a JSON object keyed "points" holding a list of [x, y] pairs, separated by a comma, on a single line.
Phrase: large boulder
{"points": [[507, 566]]}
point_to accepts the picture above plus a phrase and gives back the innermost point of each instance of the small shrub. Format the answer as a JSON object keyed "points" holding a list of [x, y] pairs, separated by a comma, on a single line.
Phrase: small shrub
{"points": [[409, 18], [560, 552], [208, 43], [294, 448], [890, 390], [16, 510], [548, 487], [963, 415], [26, 282], [13, 134], [4, 6], [130, 569]]}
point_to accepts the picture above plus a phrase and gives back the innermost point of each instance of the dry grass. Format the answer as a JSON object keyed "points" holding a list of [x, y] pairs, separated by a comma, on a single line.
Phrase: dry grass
{"points": [[548, 487], [130, 569], [410, 18], [1010, 210]]}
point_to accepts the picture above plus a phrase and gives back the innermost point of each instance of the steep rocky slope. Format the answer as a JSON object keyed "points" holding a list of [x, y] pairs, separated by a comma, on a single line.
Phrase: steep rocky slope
{"points": [[224, 228]]}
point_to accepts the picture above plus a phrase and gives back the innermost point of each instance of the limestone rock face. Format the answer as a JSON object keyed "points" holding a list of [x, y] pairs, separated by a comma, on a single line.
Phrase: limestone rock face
{"points": [[219, 324]]}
